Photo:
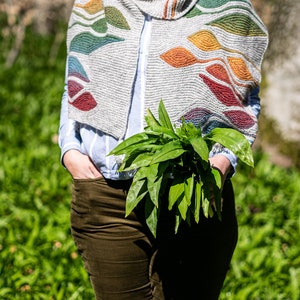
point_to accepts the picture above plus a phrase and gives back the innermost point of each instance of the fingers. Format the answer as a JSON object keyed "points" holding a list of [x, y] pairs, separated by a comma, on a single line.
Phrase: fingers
{"points": [[80, 166]]}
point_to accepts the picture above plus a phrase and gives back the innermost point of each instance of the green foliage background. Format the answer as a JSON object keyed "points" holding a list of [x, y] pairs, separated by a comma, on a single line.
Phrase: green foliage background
{"points": [[38, 259]]}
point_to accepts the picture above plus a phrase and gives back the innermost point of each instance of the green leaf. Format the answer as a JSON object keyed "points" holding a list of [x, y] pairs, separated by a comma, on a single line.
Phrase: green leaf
{"points": [[183, 206], [136, 193], [154, 182], [200, 147], [216, 187], [151, 216], [133, 140], [189, 188], [141, 160], [178, 220], [198, 197], [234, 141], [164, 118], [176, 192], [188, 130], [205, 206], [169, 151], [151, 121]]}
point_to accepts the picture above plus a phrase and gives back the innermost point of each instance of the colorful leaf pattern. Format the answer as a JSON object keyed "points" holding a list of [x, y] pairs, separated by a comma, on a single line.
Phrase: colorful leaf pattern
{"points": [[232, 69], [87, 42]]}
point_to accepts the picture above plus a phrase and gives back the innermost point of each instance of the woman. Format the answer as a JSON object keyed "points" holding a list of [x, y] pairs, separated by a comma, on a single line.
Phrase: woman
{"points": [[203, 58]]}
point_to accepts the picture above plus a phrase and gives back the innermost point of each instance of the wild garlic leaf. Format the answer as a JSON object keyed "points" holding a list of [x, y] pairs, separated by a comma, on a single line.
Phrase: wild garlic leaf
{"points": [[151, 121], [164, 118], [183, 206], [133, 140], [143, 146], [189, 188], [136, 193], [169, 151], [176, 192], [151, 216], [234, 141], [197, 199], [200, 147], [137, 161], [216, 186], [154, 183]]}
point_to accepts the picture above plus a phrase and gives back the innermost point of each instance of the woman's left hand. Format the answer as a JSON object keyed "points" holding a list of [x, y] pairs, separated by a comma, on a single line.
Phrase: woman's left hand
{"points": [[222, 164]]}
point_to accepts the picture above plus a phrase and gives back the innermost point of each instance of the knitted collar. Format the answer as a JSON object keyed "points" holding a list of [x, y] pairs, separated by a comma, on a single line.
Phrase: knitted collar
{"points": [[165, 9], [204, 58]]}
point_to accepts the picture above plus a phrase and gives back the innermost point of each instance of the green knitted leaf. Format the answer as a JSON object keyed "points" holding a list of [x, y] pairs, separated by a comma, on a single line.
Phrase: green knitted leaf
{"points": [[238, 24], [214, 3], [115, 18], [86, 43], [99, 26]]}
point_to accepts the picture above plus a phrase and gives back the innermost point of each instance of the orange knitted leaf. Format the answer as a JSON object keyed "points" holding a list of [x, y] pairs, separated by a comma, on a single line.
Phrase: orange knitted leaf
{"points": [[179, 57], [219, 72], [239, 68], [91, 7]]}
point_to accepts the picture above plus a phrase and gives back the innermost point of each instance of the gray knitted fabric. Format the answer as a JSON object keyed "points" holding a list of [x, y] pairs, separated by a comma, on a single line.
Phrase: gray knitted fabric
{"points": [[204, 59]]}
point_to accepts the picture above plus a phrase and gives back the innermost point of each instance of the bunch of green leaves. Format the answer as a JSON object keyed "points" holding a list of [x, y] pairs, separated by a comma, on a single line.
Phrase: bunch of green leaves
{"points": [[174, 161]]}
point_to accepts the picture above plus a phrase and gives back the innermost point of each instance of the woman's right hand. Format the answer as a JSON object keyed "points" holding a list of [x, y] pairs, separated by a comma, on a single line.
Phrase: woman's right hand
{"points": [[80, 165]]}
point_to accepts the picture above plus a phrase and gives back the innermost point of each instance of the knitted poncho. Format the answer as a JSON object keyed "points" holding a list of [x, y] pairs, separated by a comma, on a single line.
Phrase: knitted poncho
{"points": [[204, 58]]}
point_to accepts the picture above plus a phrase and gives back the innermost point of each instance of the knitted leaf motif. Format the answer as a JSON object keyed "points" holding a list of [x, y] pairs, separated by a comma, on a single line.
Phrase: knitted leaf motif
{"points": [[74, 88], [238, 24], [98, 26], [179, 57], [91, 7], [240, 68], [86, 43], [239, 118], [205, 41], [223, 93], [84, 102], [115, 18], [216, 3], [219, 72], [194, 12], [75, 69]]}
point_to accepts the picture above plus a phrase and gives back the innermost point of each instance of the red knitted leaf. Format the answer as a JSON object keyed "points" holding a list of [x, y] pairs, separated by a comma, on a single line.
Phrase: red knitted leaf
{"points": [[84, 102], [223, 93], [240, 118], [73, 88]]}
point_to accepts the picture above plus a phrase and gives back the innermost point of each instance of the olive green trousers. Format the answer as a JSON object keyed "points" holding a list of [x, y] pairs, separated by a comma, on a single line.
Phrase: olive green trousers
{"points": [[125, 262]]}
